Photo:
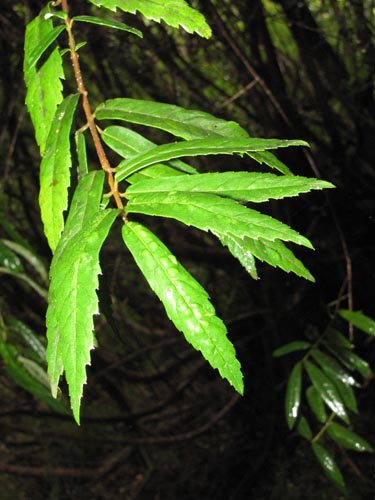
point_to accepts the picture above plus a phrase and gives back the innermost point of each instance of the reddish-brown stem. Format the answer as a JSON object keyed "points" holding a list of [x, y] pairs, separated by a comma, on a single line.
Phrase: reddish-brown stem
{"points": [[88, 113]]}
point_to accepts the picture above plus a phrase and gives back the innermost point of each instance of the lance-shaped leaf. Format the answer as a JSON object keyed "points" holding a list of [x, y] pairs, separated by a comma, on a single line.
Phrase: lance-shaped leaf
{"points": [[243, 186], [303, 428], [30, 256], [350, 359], [55, 171], [327, 390], [297, 345], [82, 167], [9, 260], [329, 465], [198, 147], [359, 320], [274, 253], [175, 13], [316, 404], [185, 301], [42, 46], [28, 335], [108, 23], [44, 88], [335, 339], [343, 436], [128, 143], [221, 216], [240, 251], [74, 280], [293, 395]]}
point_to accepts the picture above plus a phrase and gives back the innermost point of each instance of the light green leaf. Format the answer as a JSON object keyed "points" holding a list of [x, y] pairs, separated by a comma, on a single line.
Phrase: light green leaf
{"points": [[108, 23], [359, 320], [185, 301], [44, 88], [243, 186], [175, 13], [211, 146], [210, 212], [74, 280], [42, 46], [316, 404], [303, 428], [327, 390], [9, 260], [297, 345], [347, 438], [240, 251], [128, 143], [55, 171], [329, 465], [293, 395]]}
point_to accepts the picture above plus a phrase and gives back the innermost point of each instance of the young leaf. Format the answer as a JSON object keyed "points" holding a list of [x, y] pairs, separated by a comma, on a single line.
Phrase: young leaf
{"points": [[101, 21], [197, 147], [326, 390], [185, 301], [242, 186], [316, 404], [347, 438], [54, 171], [303, 428], [210, 212], [293, 395], [359, 320], [329, 465], [44, 89], [173, 12], [296, 345]]}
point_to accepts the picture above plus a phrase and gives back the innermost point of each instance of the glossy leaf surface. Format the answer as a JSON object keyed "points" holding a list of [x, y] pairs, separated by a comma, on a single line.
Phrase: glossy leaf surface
{"points": [[316, 404], [9, 259], [359, 320], [293, 395], [329, 465], [175, 13], [186, 302], [108, 23], [55, 171], [343, 436]]}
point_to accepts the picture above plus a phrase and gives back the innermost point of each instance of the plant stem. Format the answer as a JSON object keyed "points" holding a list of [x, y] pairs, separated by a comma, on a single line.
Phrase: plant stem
{"points": [[88, 113]]}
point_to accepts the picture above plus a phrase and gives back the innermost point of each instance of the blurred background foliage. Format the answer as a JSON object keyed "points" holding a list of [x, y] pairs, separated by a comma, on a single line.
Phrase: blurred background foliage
{"points": [[157, 421]]}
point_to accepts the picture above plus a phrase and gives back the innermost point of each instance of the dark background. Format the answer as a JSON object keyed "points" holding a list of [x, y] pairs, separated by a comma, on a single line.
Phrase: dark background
{"points": [[157, 421]]}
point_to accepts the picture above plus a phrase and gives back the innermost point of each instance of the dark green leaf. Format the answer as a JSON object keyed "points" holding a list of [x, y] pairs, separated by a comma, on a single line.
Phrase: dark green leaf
{"points": [[347, 438], [303, 428], [8, 259], [28, 335], [293, 395], [329, 465], [108, 23], [335, 338], [297, 345], [327, 390], [316, 404], [359, 320], [30, 256], [351, 360], [185, 301], [81, 154]]}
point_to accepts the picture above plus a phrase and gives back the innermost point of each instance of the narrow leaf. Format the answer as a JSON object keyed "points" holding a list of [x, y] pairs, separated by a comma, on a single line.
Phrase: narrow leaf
{"points": [[240, 251], [347, 438], [209, 212], [175, 13], [359, 320], [303, 428], [335, 338], [332, 368], [42, 46], [316, 404], [44, 88], [197, 147], [9, 260], [30, 256], [351, 360], [297, 345], [293, 395], [185, 301], [55, 171], [108, 23], [81, 154], [28, 335], [243, 186], [329, 465], [326, 390]]}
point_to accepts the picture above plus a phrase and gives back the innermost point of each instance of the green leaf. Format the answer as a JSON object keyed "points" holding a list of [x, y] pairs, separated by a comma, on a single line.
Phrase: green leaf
{"points": [[8, 259], [55, 171], [335, 338], [240, 251], [26, 279], [347, 438], [316, 404], [296, 345], [351, 360], [24, 379], [210, 212], [44, 88], [175, 13], [108, 23], [332, 368], [303, 428], [211, 146], [329, 465], [327, 390], [74, 280], [181, 122], [30, 256], [28, 335], [128, 143], [293, 395], [243, 186], [185, 301], [81, 154], [42, 46], [359, 320]]}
